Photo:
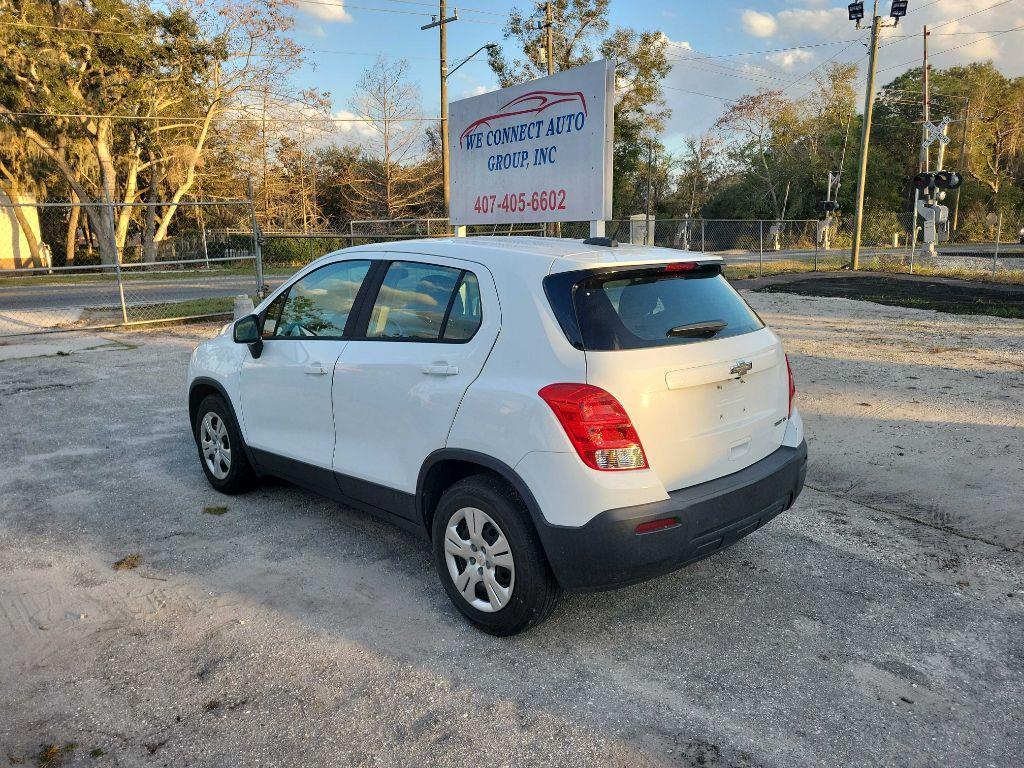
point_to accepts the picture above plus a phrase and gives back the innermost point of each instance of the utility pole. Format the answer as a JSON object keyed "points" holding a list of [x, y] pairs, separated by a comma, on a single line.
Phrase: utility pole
{"points": [[923, 155], [441, 22], [648, 234], [549, 23], [865, 138], [963, 161], [442, 30]]}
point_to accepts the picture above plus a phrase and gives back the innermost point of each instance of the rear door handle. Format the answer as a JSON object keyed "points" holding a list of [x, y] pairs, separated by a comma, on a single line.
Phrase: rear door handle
{"points": [[316, 369], [440, 369]]}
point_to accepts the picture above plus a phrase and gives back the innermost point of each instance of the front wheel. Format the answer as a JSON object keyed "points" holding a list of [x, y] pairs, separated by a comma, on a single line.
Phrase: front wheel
{"points": [[220, 447], [489, 559]]}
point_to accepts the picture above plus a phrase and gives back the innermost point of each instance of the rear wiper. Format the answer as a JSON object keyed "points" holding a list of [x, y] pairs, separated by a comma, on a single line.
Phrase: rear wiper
{"points": [[697, 330]]}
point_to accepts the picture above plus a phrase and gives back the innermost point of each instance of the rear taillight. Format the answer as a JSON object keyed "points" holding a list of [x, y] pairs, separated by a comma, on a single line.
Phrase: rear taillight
{"points": [[597, 425], [792, 385]]}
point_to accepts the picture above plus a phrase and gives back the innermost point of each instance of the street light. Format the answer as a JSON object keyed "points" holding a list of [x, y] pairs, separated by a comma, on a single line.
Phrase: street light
{"points": [[488, 46]]}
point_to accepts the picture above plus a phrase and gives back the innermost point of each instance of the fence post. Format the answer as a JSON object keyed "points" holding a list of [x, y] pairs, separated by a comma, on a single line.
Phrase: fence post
{"points": [[702, 234], [760, 248], [995, 255], [816, 241], [257, 251], [117, 258]]}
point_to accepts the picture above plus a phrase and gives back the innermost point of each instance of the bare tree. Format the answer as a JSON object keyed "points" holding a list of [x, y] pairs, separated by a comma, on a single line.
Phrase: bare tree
{"points": [[397, 177]]}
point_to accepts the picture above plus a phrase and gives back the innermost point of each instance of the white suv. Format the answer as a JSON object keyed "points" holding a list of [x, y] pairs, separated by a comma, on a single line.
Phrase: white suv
{"points": [[550, 414]]}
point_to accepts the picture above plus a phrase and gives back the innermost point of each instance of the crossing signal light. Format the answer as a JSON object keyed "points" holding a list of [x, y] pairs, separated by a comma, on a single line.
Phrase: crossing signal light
{"points": [[856, 11], [948, 180], [828, 206], [939, 180], [898, 9]]}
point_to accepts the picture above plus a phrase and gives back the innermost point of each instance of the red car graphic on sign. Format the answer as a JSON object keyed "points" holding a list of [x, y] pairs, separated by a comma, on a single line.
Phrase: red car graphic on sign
{"points": [[532, 103]]}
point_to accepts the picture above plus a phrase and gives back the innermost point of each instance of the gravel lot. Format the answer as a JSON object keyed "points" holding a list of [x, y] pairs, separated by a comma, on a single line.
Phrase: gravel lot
{"points": [[879, 622]]}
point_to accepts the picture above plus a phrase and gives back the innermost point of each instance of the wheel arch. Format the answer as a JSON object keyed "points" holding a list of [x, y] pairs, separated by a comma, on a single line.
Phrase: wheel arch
{"points": [[446, 466], [200, 388]]}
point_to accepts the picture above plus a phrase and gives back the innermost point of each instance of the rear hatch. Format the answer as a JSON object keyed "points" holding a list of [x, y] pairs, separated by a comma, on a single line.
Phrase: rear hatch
{"points": [[703, 380]]}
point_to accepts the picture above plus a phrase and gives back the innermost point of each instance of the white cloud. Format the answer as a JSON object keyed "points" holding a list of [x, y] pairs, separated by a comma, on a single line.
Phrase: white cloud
{"points": [[758, 24], [787, 59], [352, 128], [478, 90], [813, 20], [334, 12]]}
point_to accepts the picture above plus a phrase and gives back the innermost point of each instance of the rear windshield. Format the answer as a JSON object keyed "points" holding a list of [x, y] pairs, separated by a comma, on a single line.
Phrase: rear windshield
{"points": [[634, 309]]}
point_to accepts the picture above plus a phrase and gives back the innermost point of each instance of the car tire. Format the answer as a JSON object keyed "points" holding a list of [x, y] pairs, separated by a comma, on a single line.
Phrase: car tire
{"points": [[222, 453], [509, 587]]}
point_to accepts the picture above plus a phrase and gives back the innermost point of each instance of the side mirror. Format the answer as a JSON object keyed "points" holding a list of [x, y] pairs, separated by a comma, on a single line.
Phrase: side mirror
{"points": [[247, 331]]}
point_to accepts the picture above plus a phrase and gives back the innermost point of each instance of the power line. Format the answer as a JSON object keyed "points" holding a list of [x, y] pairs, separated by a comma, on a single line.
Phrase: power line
{"points": [[685, 46], [956, 47], [347, 6], [817, 67], [968, 15]]}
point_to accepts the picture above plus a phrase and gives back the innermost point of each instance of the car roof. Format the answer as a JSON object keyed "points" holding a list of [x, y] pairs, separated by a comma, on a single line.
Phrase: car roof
{"points": [[541, 254]]}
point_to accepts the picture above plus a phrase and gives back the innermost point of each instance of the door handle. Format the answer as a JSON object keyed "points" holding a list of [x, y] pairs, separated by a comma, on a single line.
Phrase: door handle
{"points": [[316, 369], [440, 369]]}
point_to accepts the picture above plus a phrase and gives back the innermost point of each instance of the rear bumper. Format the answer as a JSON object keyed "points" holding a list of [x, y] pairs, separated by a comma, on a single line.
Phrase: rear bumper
{"points": [[607, 552]]}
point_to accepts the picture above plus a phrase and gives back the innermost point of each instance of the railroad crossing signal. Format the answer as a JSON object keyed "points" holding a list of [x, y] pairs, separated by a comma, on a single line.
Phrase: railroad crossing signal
{"points": [[828, 206], [929, 182], [936, 133]]}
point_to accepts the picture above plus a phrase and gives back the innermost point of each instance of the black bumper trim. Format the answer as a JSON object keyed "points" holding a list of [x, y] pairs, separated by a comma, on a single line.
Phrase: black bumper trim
{"points": [[607, 552]]}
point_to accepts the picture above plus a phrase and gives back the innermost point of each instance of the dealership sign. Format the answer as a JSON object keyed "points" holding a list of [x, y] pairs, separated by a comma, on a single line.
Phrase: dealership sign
{"points": [[540, 151]]}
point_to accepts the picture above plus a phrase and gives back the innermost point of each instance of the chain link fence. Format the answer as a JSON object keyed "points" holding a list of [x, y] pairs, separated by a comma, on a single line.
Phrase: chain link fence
{"points": [[73, 277], [70, 266]]}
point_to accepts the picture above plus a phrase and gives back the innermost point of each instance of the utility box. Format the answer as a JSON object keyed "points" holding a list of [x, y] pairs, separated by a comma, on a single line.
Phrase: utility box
{"points": [[936, 222], [641, 230]]}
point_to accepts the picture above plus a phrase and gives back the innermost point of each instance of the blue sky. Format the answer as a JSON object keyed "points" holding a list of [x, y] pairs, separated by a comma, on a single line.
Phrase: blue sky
{"points": [[741, 36]]}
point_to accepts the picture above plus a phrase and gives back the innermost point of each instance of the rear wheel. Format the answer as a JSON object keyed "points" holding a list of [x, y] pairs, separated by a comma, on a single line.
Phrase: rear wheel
{"points": [[489, 559], [220, 447]]}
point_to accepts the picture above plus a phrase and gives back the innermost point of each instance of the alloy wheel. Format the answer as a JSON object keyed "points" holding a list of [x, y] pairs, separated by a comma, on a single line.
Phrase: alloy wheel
{"points": [[216, 446], [479, 559]]}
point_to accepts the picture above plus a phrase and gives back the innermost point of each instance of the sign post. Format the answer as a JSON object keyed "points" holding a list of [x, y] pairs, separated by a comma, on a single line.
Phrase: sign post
{"points": [[536, 152]]}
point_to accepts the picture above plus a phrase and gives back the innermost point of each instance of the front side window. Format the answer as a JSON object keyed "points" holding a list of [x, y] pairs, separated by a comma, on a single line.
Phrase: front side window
{"points": [[319, 304], [425, 302], [272, 316]]}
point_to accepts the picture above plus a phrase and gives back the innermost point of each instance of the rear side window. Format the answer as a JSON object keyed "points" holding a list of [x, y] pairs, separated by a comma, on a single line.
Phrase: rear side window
{"points": [[635, 309], [425, 302]]}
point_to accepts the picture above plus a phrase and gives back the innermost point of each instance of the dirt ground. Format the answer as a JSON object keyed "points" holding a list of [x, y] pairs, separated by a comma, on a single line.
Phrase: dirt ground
{"points": [[945, 295], [878, 622]]}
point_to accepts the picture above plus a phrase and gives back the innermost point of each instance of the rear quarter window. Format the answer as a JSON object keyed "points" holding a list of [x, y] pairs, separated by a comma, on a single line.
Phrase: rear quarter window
{"points": [[649, 307]]}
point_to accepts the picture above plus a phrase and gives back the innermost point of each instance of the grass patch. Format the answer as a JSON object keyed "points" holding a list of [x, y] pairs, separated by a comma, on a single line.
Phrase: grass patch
{"points": [[96, 752], [51, 755], [128, 563], [213, 305], [215, 510], [957, 299]]}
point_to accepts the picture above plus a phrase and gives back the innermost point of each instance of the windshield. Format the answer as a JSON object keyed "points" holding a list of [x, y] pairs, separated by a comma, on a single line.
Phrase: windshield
{"points": [[637, 308]]}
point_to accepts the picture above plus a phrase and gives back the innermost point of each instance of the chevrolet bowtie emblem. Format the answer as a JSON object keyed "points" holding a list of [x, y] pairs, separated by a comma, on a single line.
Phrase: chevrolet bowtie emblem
{"points": [[742, 368]]}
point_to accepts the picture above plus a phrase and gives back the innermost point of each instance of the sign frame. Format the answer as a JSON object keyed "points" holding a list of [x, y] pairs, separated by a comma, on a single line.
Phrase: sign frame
{"points": [[540, 151]]}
